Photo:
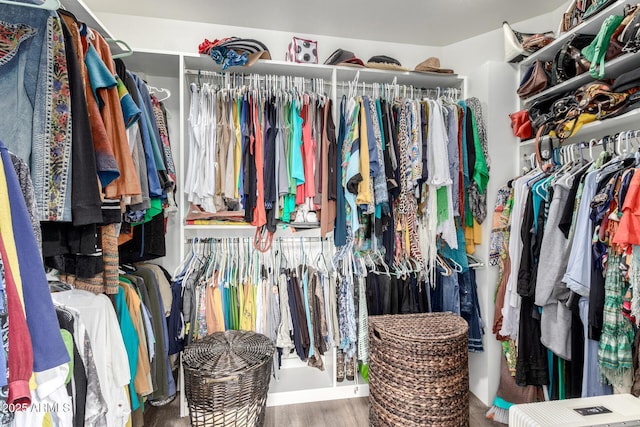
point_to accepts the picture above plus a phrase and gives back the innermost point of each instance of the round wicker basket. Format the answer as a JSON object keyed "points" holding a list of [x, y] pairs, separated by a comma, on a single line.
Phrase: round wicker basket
{"points": [[418, 370], [226, 377]]}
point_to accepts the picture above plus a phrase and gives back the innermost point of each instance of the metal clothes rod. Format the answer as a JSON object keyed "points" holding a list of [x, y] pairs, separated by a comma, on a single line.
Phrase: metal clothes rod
{"points": [[250, 76], [250, 239], [343, 85]]}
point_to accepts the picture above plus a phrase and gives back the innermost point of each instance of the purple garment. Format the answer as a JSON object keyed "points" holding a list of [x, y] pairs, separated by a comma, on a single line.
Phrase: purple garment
{"points": [[49, 350]]}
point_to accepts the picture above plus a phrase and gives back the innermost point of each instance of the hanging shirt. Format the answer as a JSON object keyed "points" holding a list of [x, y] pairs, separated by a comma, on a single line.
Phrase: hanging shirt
{"points": [[112, 366]]}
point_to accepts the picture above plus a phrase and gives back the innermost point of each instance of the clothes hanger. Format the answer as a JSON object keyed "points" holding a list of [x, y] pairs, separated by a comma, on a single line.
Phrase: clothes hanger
{"points": [[127, 50], [441, 262], [475, 262], [592, 142], [156, 90], [47, 4]]}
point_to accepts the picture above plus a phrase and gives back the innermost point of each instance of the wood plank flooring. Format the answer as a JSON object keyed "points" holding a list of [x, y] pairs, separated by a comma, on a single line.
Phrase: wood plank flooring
{"points": [[333, 413]]}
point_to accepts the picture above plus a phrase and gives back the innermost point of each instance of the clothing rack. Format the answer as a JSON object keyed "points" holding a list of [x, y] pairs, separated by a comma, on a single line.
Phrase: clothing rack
{"points": [[306, 239], [564, 153], [270, 81], [354, 86]]}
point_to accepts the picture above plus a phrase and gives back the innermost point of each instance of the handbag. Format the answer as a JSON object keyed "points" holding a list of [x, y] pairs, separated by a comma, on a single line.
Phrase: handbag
{"points": [[580, 10], [302, 51], [598, 98], [597, 49], [630, 36], [521, 124], [540, 112], [569, 61], [595, 7], [518, 45], [535, 80]]}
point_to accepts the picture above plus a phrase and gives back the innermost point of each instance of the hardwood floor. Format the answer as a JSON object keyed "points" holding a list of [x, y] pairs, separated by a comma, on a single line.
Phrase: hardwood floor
{"points": [[333, 413]]}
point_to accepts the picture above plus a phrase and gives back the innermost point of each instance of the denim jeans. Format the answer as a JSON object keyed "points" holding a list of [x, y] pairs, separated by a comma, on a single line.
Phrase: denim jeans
{"points": [[470, 309]]}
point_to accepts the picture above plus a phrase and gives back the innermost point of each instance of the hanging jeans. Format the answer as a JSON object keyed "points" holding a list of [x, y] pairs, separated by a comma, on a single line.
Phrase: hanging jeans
{"points": [[470, 309]]}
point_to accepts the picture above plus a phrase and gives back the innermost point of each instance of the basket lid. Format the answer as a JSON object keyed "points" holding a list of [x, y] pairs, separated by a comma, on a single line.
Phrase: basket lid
{"points": [[229, 352], [421, 327]]}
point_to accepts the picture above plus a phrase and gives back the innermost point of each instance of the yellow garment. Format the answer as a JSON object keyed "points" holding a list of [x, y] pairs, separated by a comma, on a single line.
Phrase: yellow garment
{"points": [[6, 231], [237, 154], [141, 381], [473, 237], [582, 119], [46, 420], [248, 308], [477, 233], [364, 187], [213, 309]]}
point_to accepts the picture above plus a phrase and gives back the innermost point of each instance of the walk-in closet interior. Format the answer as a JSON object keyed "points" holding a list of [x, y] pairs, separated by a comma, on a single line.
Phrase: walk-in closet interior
{"points": [[286, 180]]}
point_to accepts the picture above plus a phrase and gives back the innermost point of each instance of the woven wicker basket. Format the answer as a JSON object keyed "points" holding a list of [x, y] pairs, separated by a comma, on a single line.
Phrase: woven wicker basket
{"points": [[418, 370], [227, 378]]}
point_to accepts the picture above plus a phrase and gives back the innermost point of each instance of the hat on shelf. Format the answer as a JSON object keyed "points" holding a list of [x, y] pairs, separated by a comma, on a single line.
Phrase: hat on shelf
{"points": [[383, 62], [432, 65], [238, 52], [344, 57]]}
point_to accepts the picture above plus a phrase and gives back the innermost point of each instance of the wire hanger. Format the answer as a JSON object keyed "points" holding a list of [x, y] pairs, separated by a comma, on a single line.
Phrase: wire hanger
{"points": [[47, 4]]}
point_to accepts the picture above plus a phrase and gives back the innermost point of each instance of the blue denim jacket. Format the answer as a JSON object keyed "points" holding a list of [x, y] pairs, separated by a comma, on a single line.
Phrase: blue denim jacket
{"points": [[34, 99]]}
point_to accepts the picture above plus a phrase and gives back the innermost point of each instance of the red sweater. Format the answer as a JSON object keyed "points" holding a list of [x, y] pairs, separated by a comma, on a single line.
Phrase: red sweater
{"points": [[20, 351]]}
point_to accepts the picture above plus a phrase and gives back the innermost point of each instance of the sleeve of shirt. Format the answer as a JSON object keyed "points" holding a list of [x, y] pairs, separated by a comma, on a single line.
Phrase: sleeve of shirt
{"points": [[629, 228]]}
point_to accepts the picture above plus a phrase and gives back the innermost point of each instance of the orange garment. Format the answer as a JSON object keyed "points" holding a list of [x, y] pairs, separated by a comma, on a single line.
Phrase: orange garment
{"points": [[128, 183], [628, 232], [213, 308], [328, 207], [259, 212]]}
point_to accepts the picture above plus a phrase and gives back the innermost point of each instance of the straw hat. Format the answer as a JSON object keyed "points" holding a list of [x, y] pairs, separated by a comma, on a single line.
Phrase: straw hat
{"points": [[432, 65], [383, 62]]}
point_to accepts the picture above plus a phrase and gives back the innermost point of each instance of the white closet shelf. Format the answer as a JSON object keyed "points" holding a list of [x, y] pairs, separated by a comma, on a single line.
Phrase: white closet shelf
{"points": [[205, 63], [343, 73], [414, 78], [221, 230], [613, 68], [590, 26], [303, 385], [629, 120], [154, 62]]}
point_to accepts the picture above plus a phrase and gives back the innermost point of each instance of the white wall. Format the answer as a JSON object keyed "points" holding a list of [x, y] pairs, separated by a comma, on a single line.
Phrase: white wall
{"points": [[185, 36], [494, 83], [466, 56]]}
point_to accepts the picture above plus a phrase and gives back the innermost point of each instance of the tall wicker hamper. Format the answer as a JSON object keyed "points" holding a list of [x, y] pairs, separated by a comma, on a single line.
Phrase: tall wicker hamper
{"points": [[227, 378], [418, 370]]}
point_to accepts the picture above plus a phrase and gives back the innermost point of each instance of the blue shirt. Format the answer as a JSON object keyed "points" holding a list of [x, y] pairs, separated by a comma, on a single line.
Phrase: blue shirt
{"points": [[49, 350]]}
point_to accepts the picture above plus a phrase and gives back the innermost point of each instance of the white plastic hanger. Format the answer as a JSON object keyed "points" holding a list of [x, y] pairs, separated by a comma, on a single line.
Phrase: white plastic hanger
{"points": [[47, 4], [156, 90], [127, 50]]}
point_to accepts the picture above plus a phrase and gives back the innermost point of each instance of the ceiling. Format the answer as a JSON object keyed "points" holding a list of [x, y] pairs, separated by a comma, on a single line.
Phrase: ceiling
{"points": [[423, 22]]}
